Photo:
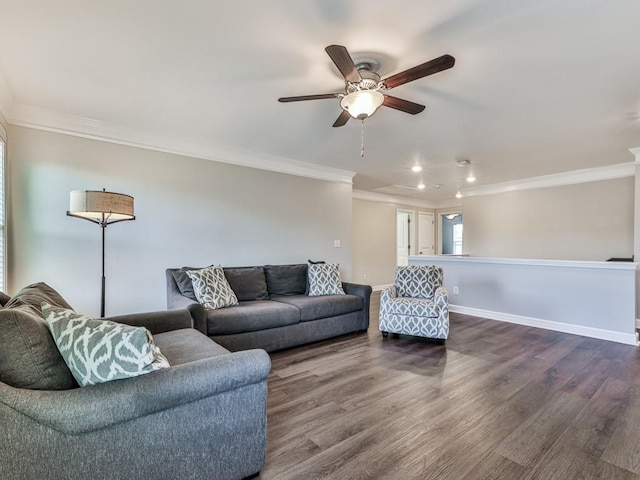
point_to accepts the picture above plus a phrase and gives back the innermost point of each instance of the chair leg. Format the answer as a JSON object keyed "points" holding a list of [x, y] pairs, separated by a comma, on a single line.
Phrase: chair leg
{"points": [[385, 334]]}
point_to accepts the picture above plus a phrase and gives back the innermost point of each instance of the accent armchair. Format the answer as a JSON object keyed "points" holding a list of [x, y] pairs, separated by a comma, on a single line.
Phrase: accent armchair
{"points": [[417, 304]]}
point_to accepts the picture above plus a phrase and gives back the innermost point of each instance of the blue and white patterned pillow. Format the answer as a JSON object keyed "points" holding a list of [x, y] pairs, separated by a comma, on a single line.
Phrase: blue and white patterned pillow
{"points": [[324, 279], [212, 288], [98, 351]]}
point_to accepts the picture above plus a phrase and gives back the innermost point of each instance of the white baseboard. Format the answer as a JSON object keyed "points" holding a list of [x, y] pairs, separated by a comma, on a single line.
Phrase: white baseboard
{"points": [[626, 338]]}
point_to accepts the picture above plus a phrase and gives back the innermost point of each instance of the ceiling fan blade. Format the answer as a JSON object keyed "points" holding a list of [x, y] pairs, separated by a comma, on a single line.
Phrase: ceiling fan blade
{"points": [[343, 61], [402, 105], [433, 66], [342, 119], [308, 97]]}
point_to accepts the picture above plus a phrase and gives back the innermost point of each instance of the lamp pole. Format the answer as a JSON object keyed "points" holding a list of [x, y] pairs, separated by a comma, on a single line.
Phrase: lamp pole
{"points": [[103, 208]]}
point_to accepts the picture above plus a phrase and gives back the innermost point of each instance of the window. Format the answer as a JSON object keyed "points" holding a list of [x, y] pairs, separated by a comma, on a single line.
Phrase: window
{"points": [[457, 239]]}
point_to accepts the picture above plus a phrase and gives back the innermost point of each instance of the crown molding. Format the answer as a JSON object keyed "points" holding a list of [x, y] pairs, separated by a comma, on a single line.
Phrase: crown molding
{"points": [[619, 170], [384, 198], [23, 115]]}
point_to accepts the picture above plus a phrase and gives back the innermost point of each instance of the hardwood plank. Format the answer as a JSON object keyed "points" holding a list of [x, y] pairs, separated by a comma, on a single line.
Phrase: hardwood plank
{"points": [[498, 401]]}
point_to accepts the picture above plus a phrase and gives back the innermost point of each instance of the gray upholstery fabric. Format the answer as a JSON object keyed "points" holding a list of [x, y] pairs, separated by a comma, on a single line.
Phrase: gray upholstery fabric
{"points": [[187, 345], [29, 357], [239, 333], [286, 279], [205, 417], [248, 283], [313, 308], [184, 282], [293, 335], [4, 298], [32, 297], [251, 316], [157, 322]]}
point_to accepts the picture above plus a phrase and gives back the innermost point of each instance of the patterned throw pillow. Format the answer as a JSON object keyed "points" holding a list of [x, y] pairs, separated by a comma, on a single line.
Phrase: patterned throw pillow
{"points": [[212, 288], [98, 351], [324, 279]]}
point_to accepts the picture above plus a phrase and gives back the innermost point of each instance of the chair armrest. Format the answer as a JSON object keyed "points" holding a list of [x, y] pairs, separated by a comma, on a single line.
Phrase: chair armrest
{"points": [[82, 410], [157, 322], [441, 295]]}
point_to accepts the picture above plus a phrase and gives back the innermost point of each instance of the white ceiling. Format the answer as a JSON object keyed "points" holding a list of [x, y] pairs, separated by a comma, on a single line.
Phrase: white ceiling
{"points": [[539, 87]]}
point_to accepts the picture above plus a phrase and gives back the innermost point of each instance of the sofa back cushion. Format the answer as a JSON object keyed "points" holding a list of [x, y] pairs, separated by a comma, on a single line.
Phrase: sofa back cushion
{"points": [[248, 283], [184, 283], [29, 357], [286, 279]]}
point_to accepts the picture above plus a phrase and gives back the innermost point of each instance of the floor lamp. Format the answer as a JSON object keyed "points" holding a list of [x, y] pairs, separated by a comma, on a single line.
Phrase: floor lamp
{"points": [[103, 208]]}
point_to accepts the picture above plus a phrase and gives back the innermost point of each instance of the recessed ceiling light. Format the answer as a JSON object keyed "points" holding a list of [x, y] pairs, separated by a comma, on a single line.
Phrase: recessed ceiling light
{"points": [[463, 163], [437, 186], [458, 194], [471, 179], [421, 186], [416, 168]]}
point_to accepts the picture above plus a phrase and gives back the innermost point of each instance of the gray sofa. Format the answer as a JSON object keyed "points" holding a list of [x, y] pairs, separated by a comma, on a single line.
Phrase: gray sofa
{"points": [[204, 417], [274, 310]]}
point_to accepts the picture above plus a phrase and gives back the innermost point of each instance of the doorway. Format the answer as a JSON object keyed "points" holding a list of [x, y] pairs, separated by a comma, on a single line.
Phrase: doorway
{"points": [[426, 234], [451, 233], [405, 231]]}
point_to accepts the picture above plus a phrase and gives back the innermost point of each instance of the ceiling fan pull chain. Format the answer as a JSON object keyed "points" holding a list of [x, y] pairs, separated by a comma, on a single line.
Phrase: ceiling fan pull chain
{"points": [[362, 144]]}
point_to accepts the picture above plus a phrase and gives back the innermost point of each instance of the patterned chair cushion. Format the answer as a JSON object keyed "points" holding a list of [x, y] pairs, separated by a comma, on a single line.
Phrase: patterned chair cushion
{"points": [[212, 288], [418, 281], [416, 307]]}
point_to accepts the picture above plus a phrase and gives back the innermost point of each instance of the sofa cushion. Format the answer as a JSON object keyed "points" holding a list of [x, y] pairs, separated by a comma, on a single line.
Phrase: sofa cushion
{"points": [[250, 317], [33, 296], [212, 288], [248, 283], [286, 279], [99, 351], [184, 283], [324, 279], [314, 308], [4, 298], [187, 345], [29, 357]]}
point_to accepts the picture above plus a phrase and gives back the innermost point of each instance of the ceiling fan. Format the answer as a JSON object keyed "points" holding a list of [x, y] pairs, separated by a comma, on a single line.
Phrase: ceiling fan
{"points": [[365, 92]]}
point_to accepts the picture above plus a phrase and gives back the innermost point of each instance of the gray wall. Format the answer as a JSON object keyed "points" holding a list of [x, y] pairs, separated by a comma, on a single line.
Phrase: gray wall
{"points": [[374, 240], [589, 221], [188, 212]]}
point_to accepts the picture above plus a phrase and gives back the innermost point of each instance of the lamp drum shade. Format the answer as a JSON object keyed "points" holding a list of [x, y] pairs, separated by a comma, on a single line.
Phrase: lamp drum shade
{"points": [[101, 205]]}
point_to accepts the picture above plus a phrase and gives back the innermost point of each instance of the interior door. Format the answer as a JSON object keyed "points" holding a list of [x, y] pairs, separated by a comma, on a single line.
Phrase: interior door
{"points": [[426, 233], [404, 235]]}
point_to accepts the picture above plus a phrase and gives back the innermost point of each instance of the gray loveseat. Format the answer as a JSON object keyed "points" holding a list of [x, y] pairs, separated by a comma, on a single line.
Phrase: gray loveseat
{"points": [[204, 417], [274, 310]]}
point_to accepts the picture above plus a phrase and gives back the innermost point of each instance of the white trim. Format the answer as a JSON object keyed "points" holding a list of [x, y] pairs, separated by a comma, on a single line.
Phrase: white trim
{"points": [[379, 288], [521, 261], [384, 198], [626, 338], [636, 152], [42, 119], [637, 323], [609, 172]]}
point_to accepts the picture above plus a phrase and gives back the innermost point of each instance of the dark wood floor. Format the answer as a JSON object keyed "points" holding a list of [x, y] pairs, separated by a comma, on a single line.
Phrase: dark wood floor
{"points": [[498, 401]]}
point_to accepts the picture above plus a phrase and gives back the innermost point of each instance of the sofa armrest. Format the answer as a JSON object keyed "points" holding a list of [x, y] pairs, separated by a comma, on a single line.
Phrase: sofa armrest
{"points": [[363, 291], [157, 322], [177, 301], [82, 410]]}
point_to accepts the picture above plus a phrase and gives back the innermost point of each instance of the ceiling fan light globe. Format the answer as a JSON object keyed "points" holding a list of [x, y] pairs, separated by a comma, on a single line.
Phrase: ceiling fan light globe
{"points": [[362, 104]]}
